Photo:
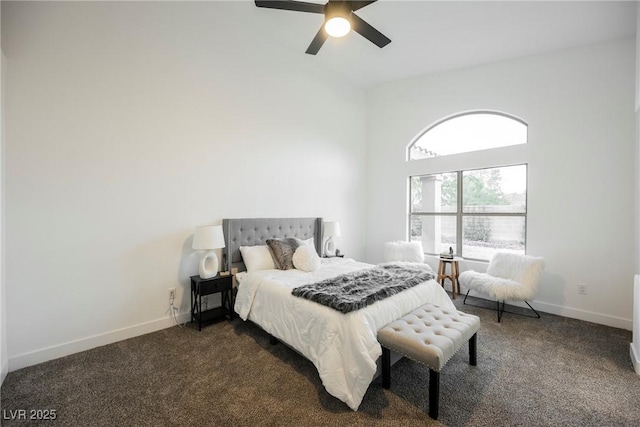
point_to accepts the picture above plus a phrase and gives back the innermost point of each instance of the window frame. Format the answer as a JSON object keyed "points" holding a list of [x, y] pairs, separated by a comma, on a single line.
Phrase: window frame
{"points": [[460, 214]]}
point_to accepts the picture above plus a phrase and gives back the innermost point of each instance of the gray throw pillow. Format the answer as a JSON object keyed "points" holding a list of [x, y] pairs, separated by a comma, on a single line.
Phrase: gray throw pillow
{"points": [[282, 251]]}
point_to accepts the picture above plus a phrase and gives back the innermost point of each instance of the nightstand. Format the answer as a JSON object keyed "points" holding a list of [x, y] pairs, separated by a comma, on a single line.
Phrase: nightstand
{"points": [[201, 287]]}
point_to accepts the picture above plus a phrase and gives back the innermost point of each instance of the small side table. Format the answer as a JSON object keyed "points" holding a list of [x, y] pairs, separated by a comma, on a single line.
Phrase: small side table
{"points": [[201, 287], [453, 276]]}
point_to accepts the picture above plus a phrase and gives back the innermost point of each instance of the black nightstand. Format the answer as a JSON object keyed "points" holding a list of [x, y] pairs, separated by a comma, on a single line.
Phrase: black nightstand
{"points": [[201, 287]]}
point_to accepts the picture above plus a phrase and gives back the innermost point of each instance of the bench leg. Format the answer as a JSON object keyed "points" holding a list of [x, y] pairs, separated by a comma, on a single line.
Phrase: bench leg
{"points": [[434, 393], [386, 367], [473, 350], [500, 310]]}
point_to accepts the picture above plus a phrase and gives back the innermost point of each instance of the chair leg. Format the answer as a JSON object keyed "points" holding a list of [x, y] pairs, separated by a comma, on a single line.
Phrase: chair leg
{"points": [[386, 367], [500, 309], [434, 393], [537, 314], [473, 350]]}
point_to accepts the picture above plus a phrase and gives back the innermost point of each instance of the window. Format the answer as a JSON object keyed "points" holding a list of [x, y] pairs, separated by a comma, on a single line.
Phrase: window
{"points": [[475, 212], [463, 133]]}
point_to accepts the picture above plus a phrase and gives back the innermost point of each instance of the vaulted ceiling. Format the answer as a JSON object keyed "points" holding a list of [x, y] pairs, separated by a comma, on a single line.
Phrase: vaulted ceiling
{"points": [[435, 36]]}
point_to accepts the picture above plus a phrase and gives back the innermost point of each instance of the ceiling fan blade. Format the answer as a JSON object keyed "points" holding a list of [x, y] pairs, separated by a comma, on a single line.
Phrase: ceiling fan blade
{"points": [[355, 5], [317, 41], [297, 6], [368, 32]]}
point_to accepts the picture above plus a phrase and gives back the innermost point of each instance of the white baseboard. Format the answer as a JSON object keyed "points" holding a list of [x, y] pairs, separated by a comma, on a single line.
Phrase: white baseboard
{"points": [[56, 351], [635, 359], [587, 316], [71, 347], [574, 313]]}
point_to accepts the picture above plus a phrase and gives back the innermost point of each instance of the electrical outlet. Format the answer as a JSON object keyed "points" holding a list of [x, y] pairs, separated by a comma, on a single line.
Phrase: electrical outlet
{"points": [[172, 295], [582, 289]]}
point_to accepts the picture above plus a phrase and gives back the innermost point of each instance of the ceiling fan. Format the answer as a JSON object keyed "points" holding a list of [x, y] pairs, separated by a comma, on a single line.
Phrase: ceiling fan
{"points": [[339, 19]]}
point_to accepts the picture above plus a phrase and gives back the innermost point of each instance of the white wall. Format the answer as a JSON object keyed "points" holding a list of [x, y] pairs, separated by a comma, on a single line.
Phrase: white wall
{"points": [[579, 105], [128, 124], [634, 347]]}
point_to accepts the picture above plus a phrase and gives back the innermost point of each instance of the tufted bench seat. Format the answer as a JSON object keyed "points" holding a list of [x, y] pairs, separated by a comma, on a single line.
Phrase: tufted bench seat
{"points": [[429, 335]]}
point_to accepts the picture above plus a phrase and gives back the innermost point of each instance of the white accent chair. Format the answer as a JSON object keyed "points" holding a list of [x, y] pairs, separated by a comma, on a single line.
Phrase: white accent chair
{"points": [[508, 277]]}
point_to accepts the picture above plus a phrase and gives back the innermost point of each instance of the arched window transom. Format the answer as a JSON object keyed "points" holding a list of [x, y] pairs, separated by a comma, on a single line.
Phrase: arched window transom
{"points": [[466, 132]]}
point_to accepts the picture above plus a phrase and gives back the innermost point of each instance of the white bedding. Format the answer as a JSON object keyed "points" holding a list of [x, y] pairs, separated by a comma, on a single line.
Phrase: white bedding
{"points": [[343, 347]]}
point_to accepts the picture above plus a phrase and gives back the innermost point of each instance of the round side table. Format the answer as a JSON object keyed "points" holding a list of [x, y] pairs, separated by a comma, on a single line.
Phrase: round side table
{"points": [[452, 276]]}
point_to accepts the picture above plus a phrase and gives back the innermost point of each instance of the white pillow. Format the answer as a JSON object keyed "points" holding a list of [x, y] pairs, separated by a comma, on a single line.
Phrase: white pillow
{"points": [[403, 251], [257, 258], [306, 258], [308, 241], [240, 276]]}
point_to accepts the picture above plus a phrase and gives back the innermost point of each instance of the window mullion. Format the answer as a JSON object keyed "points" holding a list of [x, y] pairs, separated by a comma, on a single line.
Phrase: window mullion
{"points": [[459, 216]]}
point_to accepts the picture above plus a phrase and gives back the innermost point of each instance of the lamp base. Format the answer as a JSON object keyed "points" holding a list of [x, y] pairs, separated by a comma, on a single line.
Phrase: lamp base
{"points": [[329, 247], [208, 265]]}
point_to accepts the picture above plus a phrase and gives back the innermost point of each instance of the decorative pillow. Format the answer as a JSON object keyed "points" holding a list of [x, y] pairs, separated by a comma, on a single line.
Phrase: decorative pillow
{"points": [[306, 258], [282, 250], [257, 258], [308, 241], [403, 251]]}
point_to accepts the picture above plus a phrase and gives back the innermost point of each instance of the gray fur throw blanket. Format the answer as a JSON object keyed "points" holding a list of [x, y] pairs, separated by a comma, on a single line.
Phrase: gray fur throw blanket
{"points": [[358, 289]]}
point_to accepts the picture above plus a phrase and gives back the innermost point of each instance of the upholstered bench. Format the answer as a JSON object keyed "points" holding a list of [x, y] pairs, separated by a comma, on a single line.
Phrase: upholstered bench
{"points": [[429, 335]]}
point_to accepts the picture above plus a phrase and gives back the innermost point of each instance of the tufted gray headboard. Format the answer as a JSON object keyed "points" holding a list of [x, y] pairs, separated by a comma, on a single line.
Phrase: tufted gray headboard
{"points": [[255, 231]]}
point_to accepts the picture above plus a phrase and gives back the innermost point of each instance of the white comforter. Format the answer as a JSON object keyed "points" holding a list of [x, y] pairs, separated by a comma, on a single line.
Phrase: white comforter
{"points": [[343, 347]]}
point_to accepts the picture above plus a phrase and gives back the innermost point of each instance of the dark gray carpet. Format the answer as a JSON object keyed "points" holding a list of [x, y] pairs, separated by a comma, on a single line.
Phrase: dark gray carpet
{"points": [[531, 372]]}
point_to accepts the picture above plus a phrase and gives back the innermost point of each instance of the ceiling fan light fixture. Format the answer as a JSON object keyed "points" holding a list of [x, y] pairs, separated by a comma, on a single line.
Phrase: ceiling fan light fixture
{"points": [[339, 20], [337, 26]]}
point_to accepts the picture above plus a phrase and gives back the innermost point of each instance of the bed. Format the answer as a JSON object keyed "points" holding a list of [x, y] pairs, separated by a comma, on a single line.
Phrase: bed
{"points": [[343, 347]]}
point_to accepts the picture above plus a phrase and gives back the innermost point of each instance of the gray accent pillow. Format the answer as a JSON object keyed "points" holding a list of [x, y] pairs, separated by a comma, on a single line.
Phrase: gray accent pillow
{"points": [[282, 251]]}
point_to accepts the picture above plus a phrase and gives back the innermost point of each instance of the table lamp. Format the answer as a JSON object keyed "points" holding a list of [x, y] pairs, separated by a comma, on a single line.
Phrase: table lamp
{"points": [[331, 230], [208, 237]]}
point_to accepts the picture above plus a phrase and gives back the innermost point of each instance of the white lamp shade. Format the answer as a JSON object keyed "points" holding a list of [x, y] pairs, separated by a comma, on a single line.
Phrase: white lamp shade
{"points": [[332, 229], [208, 237]]}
